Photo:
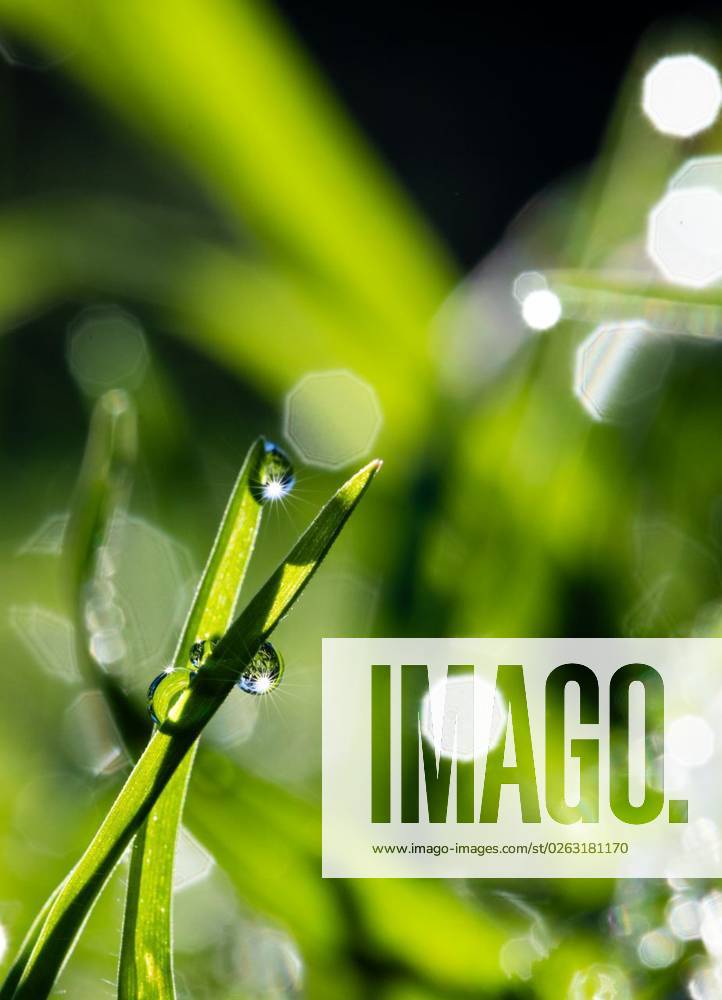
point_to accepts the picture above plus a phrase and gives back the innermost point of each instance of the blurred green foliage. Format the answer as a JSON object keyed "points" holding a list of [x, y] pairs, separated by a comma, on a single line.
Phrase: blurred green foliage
{"points": [[255, 238]]}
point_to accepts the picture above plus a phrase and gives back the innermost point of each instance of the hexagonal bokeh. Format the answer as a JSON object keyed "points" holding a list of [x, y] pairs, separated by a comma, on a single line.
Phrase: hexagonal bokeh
{"points": [[541, 309], [46, 540], [526, 283], [699, 171], [331, 418], [192, 861], [618, 366], [106, 349], [151, 581], [684, 236], [682, 95], [599, 981], [92, 737], [49, 638]]}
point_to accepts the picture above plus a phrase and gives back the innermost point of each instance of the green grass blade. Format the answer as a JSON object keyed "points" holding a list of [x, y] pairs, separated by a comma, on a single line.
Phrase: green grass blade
{"points": [[301, 206], [103, 485], [102, 490], [146, 960], [166, 751], [260, 318], [101, 493], [597, 297], [14, 973]]}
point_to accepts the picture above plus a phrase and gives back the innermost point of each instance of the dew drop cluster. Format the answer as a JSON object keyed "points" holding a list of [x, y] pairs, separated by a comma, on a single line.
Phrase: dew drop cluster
{"points": [[262, 676]]}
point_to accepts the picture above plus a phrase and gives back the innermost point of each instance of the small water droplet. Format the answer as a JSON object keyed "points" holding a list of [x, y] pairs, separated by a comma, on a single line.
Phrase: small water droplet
{"points": [[165, 692], [276, 478], [264, 673], [201, 650]]}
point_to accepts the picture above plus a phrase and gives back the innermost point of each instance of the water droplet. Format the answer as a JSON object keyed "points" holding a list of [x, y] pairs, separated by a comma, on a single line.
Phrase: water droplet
{"points": [[276, 478], [201, 650], [264, 673], [165, 693]]}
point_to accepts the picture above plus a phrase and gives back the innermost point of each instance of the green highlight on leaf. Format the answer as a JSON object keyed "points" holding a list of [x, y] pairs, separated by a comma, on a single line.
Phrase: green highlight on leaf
{"points": [[166, 752]]}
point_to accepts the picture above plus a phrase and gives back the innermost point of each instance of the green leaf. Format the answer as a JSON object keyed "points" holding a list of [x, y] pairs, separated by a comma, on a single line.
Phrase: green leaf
{"points": [[166, 750], [146, 959]]}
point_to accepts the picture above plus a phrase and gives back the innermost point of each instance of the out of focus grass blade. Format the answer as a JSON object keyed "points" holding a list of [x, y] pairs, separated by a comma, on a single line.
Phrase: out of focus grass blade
{"points": [[102, 490], [166, 751], [635, 162], [596, 298], [268, 842], [12, 978], [289, 166], [262, 319], [101, 493], [146, 958], [103, 486]]}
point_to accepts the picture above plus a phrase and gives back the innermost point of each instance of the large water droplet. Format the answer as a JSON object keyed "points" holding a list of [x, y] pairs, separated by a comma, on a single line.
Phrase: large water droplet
{"points": [[276, 478], [264, 672], [165, 693]]}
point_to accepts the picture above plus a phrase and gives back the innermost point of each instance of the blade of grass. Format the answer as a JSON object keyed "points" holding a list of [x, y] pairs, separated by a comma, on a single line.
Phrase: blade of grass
{"points": [[598, 297], [101, 493], [261, 319], [166, 751], [302, 206], [103, 485], [7, 991], [146, 960], [102, 490], [268, 842]]}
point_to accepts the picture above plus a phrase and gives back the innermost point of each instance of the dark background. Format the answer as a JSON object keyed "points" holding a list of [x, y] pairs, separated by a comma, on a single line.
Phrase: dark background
{"points": [[475, 108], [478, 106]]}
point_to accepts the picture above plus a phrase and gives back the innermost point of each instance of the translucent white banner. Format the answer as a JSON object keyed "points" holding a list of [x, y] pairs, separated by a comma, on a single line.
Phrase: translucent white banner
{"points": [[505, 758]]}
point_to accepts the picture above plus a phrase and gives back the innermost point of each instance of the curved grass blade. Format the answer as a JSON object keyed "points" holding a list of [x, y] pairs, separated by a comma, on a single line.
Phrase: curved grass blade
{"points": [[102, 490], [166, 750], [146, 960], [7, 991]]}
